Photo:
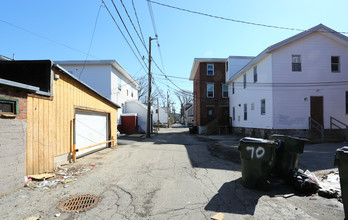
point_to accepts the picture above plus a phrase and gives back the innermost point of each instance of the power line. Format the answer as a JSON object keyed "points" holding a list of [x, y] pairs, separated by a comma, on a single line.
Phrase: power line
{"points": [[230, 19], [90, 43], [136, 15], [123, 35], [141, 39], [125, 26], [156, 33], [45, 38]]}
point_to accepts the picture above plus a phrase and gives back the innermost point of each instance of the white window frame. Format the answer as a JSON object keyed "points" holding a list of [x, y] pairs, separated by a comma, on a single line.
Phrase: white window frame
{"points": [[119, 84], [226, 90], [295, 63], [210, 65], [210, 84]]}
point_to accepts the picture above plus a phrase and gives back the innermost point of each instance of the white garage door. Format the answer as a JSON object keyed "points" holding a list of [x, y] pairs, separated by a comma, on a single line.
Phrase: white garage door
{"points": [[90, 128]]}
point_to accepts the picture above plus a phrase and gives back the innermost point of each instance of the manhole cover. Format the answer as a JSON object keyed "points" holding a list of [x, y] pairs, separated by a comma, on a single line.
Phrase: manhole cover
{"points": [[79, 203]]}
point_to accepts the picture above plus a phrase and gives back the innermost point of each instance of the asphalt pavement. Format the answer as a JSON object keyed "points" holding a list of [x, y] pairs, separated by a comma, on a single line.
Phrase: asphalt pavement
{"points": [[174, 175]]}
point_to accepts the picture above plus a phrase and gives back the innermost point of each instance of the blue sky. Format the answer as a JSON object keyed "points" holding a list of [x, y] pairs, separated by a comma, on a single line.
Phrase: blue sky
{"points": [[62, 30]]}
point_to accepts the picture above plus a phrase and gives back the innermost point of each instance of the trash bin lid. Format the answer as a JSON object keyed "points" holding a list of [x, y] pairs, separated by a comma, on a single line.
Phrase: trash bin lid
{"points": [[256, 140], [282, 136], [342, 150]]}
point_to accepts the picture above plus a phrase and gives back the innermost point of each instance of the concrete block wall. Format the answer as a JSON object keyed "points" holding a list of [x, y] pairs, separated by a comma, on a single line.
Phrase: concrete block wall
{"points": [[12, 154]]}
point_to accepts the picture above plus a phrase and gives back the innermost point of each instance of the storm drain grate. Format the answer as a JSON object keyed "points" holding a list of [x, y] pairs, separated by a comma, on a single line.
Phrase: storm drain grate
{"points": [[79, 203]]}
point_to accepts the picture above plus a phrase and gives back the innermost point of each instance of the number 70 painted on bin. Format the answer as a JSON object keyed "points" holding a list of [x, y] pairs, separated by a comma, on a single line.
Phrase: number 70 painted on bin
{"points": [[259, 152]]}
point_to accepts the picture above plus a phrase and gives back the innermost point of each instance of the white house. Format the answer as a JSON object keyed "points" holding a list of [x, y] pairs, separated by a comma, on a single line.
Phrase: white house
{"points": [[188, 114], [141, 110], [293, 86], [160, 114], [107, 77]]}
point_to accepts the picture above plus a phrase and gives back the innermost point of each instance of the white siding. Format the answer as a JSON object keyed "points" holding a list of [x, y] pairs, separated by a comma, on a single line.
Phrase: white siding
{"points": [[163, 116], [235, 64], [252, 95], [141, 109], [292, 104], [96, 76]]}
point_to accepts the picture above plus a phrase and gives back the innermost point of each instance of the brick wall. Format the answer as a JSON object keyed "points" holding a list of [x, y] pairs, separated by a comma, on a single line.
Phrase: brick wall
{"points": [[13, 143], [19, 95], [218, 105]]}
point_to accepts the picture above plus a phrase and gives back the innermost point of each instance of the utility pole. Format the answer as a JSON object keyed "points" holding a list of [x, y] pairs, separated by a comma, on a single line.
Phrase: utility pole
{"points": [[157, 115], [148, 124]]}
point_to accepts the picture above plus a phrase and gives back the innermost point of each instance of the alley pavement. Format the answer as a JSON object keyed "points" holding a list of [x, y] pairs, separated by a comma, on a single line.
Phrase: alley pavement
{"points": [[175, 175]]}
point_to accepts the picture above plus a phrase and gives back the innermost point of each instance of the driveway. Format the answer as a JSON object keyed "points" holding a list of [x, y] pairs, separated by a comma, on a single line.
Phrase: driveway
{"points": [[173, 175]]}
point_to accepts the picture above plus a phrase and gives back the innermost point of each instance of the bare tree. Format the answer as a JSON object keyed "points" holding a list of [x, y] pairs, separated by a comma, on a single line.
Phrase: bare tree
{"points": [[143, 91], [184, 97]]}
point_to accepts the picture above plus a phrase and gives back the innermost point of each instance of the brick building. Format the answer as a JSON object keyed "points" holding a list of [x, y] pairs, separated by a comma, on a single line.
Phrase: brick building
{"points": [[211, 103]]}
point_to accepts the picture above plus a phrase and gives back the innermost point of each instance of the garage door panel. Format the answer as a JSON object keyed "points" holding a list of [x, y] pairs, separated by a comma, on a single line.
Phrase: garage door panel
{"points": [[90, 128]]}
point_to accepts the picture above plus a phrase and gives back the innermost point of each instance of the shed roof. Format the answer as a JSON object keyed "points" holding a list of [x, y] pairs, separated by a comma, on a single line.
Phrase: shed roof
{"points": [[61, 69]]}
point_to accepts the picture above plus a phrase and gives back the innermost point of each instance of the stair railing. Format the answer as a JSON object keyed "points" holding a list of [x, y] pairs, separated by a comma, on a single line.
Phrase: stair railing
{"points": [[317, 126], [338, 124]]}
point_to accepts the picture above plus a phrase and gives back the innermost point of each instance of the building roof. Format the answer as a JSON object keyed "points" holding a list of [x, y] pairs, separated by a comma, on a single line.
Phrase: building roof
{"points": [[113, 63], [319, 28], [61, 69], [19, 85], [5, 58], [197, 61]]}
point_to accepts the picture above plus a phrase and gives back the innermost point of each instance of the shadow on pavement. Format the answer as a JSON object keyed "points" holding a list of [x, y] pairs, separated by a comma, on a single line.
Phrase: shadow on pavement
{"points": [[318, 156], [234, 198]]}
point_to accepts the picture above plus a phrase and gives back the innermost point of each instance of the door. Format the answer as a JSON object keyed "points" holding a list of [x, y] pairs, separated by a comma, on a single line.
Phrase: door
{"points": [[90, 128], [317, 109]]}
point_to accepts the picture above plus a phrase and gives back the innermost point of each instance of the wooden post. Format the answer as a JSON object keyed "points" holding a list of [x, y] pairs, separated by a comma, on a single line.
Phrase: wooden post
{"points": [[74, 153], [113, 142]]}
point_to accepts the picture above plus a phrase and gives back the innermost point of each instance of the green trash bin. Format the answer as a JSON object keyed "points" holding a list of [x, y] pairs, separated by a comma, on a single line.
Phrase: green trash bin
{"points": [[286, 154], [341, 160], [256, 155]]}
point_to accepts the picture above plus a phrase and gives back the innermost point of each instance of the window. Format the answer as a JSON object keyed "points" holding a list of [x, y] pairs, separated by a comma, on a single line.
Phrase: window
{"points": [[233, 113], [224, 91], [226, 66], [335, 64], [156, 111], [263, 106], [119, 84], [244, 81], [132, 92], [232, 87], [210, 90], [255, 74], [245, 112], [296, 63], [127, 92], [210, 69], [210, 112], [347, 103], [9, 105], [252, 106]]}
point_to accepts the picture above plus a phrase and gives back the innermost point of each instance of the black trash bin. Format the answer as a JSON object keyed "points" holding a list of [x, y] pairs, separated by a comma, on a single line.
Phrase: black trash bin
{"points": [[341, 159], [256, 155], [286, 158]]}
